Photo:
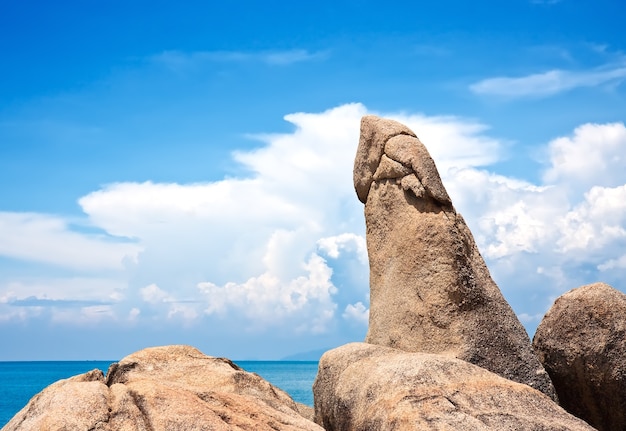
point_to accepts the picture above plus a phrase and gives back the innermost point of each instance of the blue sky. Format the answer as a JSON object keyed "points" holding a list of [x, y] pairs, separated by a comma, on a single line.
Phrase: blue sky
{"points": [[181, 172]]}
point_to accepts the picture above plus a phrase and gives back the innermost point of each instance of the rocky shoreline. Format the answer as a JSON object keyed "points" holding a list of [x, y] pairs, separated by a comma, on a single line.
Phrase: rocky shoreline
{"points": [[444, 350]]}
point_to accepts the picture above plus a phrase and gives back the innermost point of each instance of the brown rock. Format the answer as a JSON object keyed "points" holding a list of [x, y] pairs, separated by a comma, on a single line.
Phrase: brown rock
{"points": [[361, 386], [371, 148], [582, 344], [430, 290], [163, 388]]}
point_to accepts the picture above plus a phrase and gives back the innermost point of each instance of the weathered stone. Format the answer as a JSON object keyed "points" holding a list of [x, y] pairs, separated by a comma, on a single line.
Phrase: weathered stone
{"points": [[163, 388], [362, 386], [581, 342], [374, 135], [430, 290]]}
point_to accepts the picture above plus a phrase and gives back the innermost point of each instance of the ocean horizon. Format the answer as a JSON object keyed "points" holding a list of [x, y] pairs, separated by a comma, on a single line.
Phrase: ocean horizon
{"points": [[21, 380]]}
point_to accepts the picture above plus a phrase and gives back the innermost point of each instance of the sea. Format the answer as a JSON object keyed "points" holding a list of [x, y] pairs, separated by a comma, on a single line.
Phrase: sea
{"points": [[20, 381]]}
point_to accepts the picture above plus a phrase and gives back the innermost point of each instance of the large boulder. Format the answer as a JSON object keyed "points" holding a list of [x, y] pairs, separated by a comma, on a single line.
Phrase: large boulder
{"points": [[430, 290], [163, 388], [581, 342], [362, 386]]}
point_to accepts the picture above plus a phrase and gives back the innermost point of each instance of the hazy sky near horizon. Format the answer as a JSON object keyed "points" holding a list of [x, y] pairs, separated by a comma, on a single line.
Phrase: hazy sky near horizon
{"points": [[181, 173]]}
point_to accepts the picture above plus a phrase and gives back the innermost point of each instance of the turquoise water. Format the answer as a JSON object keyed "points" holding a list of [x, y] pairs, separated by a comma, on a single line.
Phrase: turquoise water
{"points": [[294, 377], [20, 381]]}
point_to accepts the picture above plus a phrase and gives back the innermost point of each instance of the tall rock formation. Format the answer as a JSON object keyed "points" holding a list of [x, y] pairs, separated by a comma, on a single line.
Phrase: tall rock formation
{"points": [[430, 290], [581, 342]]}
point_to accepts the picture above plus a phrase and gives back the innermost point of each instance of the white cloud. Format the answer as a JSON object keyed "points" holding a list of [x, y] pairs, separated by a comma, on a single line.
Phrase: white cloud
{"points": [[299, 189], [507, 216], [346, 241], [619, 263], [85, 288], [85, 299], [251, 250], [186, 313], [549, 83], [595, 223], [162, 303], [246, 249], [48, 239], [546, 238], [595, 154], [570, 211], [153, 294], [268, 300], [357, 313]]}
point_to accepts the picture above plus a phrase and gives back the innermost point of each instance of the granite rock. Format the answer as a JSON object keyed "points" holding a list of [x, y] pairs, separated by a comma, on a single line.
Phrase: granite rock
{"points": [[581, 342], [430, 290], [167, 388], [362, 386]]}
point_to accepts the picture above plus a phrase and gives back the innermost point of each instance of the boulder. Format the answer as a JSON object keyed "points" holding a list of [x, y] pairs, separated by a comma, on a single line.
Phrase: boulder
{"points": [[430, 290], [362, 386], [163, 388], [581, 342]]}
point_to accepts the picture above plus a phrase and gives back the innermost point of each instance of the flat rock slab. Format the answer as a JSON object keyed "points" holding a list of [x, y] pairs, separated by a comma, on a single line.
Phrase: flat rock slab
{"points": [[362, 386], [168, 388]]}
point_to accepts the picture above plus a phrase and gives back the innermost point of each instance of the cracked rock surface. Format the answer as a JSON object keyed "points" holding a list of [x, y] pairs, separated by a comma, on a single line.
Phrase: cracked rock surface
{"points": [[362, 386], [430, 290], [163, 388]]}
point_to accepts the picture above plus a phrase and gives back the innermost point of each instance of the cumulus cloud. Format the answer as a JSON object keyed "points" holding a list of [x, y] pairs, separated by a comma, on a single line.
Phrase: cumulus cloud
{"points": [[595, 223], [592, 155], [578, 205], [357, 313], [346, 241], [568, 230], [254, 248], [268, 300], [282, 248], [548, 83], [153, 294]]}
